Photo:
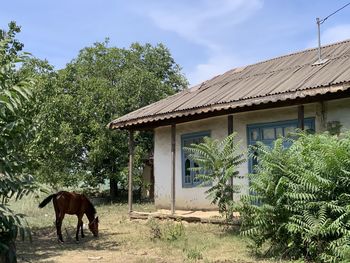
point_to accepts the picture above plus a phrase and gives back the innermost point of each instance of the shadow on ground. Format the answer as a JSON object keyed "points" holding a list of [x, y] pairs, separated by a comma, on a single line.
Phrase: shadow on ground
{"points": [[45, 245]]}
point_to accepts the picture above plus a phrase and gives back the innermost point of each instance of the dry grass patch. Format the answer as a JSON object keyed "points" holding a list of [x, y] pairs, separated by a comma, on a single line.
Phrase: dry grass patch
{"points": [[122, 240]]}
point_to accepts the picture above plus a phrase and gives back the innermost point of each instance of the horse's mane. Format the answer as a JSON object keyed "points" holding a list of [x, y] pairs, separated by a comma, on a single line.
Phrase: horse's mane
{"points": [[90, 207]]}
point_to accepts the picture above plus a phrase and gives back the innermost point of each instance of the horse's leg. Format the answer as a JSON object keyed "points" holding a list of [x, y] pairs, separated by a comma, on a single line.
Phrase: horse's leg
{"points": [[59, 226], [82, 233], [58, 222], [80, 224]]}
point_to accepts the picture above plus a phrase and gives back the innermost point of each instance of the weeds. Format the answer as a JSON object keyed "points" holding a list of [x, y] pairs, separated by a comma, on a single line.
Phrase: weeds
{"points": [[193, 254], [169, 231]]}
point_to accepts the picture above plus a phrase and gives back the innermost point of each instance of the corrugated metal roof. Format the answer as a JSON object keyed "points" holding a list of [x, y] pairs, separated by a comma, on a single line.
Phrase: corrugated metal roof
{"points": [[287, 77]]}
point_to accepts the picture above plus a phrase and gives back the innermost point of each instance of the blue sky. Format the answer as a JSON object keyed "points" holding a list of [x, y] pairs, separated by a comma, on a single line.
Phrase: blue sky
{"points": [[206, 37]]}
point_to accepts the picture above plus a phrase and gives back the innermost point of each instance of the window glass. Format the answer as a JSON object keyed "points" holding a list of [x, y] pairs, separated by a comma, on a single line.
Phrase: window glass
{"points": [[254, 135], [195, 173], [189, 177], [187, 171], [279, 132], [289, 129], [268, 133]]}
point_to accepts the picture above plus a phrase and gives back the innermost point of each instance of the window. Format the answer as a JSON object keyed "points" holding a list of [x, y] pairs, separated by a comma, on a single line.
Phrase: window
{"points": [[189, 178], [269, 132]]}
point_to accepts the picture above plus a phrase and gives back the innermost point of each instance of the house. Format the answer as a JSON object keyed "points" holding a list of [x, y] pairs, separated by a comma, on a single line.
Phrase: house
{"points": [[260, 102]]}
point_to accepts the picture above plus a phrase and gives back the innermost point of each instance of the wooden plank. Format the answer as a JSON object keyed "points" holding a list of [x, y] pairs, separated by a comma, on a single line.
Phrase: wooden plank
{"points": [[191, 219], [301, 117], [173, 155], [131, 161]]}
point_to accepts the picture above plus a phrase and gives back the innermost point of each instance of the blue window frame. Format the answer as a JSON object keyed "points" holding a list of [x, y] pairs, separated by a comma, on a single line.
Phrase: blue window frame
{"points": [[269, 132], [189, 178]]}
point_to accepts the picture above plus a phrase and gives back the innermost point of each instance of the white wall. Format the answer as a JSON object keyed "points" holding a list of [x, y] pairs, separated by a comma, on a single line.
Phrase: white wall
{"points": [[195, 198]]}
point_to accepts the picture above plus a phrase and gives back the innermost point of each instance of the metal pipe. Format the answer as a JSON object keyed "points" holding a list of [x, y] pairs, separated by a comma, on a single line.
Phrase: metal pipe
{"points": [[319, 38]]}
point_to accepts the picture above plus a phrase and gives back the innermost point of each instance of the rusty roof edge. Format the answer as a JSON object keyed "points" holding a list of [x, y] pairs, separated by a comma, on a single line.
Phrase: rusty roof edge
{"points": [[230, 105]]}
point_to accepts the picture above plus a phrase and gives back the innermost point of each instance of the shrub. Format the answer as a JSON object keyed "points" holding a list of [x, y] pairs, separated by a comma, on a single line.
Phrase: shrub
{"points": [[173, 230], [217, 163], [299, 202]]}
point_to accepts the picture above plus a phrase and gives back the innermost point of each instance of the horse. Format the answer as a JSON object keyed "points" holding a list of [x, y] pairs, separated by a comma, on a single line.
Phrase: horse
{"points": [[72, 204]]}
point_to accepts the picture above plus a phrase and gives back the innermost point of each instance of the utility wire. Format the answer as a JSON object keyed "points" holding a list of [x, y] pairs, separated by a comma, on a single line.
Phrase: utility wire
{"points": [[324, 19]]}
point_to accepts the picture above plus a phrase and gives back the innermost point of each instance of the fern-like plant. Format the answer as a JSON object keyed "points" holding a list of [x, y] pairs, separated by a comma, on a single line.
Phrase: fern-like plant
{"points": [[217, 163], [300, 201]]}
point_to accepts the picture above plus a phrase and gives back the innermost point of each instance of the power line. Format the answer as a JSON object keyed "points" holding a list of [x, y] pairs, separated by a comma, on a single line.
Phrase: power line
{"points": [[319, 22], [324, 19]]}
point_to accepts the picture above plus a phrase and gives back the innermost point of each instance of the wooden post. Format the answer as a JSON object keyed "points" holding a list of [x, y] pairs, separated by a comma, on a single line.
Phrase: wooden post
{"points": [[323, 116], [301, 117], [131, 160], [173, 141], [229, 132]]}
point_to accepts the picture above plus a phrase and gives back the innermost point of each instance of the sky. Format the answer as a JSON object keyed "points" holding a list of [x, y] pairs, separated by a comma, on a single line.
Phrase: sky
{"points": [[205, 37]]}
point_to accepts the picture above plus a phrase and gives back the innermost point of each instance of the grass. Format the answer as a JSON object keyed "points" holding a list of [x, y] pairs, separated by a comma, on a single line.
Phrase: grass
{"points": [[128, 241]]}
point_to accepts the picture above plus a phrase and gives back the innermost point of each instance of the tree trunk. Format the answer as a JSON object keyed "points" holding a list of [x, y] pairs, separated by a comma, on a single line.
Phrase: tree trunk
{"points": [[113, 188]]}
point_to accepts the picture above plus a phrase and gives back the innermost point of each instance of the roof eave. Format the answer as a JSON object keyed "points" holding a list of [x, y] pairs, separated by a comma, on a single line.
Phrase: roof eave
{"points": [[235, 106]]}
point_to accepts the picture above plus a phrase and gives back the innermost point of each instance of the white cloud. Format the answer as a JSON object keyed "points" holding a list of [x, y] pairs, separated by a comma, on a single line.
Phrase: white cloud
{"points": [[331, 35], [202, 24], [196, 23], [216, 64]]}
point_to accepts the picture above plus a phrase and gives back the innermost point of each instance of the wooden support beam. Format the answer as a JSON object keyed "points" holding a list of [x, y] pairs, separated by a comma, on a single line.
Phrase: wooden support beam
{"points": [[173, 145], [229, 132], [301, 117], [131, 161]]}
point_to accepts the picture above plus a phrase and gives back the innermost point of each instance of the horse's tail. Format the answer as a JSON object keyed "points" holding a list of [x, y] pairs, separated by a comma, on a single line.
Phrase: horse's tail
{"points": [[46, 200]]}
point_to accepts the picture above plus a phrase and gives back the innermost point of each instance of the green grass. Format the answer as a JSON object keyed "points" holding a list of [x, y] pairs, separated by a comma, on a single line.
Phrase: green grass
{"points": [[131, 241]]}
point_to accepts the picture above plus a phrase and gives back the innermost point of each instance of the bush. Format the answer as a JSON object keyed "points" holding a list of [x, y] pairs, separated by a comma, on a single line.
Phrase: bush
{"points": [[299, 202], [173, 230], [218, 162]]}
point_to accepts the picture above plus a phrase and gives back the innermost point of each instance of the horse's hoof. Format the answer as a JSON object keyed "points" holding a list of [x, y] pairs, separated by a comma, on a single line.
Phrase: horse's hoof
{"points": [[60, 241]]}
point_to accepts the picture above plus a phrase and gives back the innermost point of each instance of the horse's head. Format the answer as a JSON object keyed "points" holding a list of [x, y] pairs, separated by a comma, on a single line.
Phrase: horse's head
{"points": [[93, 226]]}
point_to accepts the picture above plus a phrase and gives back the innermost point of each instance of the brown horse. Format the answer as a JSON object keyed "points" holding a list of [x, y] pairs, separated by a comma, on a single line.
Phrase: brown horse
{"points": [[72, 204]]}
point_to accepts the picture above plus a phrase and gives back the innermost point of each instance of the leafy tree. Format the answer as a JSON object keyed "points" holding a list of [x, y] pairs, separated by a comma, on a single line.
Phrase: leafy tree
{"points": [[15, 90], [217, 163], [300, 205], [102, 83]]}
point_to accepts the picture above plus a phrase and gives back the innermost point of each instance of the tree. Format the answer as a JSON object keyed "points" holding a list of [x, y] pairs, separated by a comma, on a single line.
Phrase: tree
{"points": [[15, 90], [218, 162], [102, 83]]}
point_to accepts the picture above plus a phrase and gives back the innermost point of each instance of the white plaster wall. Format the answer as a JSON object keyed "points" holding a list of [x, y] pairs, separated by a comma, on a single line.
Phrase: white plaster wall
{"points": [[195, 198], [339, 110], [186, 198]]}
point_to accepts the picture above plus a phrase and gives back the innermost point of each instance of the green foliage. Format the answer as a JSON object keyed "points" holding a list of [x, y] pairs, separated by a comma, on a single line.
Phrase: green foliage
{"points": [[217, 164], [173, 230], [193, 254], [72, 143], [169, 231], [15, 91], [299, 201]]}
